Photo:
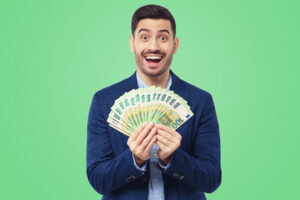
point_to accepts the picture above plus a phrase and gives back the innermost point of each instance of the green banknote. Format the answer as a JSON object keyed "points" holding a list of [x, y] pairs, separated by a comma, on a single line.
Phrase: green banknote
{"points": [[149, 104]]}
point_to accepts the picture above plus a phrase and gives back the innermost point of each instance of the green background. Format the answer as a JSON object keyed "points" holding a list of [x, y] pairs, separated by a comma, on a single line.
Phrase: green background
{"points": [[56, 54]]}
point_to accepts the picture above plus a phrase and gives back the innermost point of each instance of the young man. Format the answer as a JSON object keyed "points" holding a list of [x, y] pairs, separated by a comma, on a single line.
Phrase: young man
{"points": [[156, 162]]}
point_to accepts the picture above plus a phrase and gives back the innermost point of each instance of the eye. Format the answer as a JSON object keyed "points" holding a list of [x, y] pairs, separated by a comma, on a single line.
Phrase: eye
{"points": [[144, 37], [163, 38]]}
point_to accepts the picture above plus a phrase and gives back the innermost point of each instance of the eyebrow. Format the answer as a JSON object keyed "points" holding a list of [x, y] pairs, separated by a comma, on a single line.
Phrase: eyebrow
{"points": [[160, 31]]}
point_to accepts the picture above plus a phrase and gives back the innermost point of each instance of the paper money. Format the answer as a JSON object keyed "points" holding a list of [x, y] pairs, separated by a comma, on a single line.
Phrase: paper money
{"points": [[150, 104]]}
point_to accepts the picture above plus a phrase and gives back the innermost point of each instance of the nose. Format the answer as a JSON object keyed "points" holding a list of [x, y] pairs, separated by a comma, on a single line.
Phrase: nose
{"points": [[154, 45]]}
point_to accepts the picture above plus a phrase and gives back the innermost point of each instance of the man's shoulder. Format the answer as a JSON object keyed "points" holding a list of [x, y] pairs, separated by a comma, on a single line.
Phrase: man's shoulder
{"points": [[194, 93], [196, 90], [197, 98]]}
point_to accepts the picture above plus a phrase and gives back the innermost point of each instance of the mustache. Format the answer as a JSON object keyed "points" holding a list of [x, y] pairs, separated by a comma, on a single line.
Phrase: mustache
{"points": [[153, 52]]}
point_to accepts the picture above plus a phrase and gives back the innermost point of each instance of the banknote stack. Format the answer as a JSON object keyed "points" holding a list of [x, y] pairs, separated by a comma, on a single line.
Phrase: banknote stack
{"points": [[150, 104]]}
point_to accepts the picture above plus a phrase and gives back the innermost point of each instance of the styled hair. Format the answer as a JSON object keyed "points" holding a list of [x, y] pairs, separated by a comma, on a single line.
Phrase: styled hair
{"points": [[152, 12]]}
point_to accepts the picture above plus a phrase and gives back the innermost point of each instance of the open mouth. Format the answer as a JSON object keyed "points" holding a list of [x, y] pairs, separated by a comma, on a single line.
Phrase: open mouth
{"points": [[153, 60]]}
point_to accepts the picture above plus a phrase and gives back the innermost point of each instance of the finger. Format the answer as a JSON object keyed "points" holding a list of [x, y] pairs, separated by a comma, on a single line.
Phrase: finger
{"points": [[150, 145], [165, 128], [162, 146], [169, 130], [141, 136], [137, 131], [165, 135], [163, 140], [148, 138]]}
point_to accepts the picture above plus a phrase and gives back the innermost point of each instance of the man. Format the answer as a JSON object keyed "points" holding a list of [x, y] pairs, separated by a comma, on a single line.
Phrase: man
{"points": [[156, 162]]}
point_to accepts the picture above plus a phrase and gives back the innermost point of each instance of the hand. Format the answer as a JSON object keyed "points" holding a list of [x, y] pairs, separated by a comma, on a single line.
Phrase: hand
{"points": [[168, 140], [141, 142]]}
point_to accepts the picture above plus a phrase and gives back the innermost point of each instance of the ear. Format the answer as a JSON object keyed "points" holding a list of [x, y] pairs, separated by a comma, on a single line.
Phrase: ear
{"points": [[176, 44], [131, 42]]}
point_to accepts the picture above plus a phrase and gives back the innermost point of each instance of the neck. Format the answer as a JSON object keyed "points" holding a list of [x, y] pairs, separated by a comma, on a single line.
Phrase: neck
{"points": [[157, 81]]}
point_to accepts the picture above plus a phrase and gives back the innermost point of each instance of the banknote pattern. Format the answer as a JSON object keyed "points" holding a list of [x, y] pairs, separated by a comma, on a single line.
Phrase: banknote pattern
{"points": [[151, 104]]}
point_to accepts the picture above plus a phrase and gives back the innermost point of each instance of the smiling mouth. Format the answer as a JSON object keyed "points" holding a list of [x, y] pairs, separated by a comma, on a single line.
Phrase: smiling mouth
{"points": [[152, 60]]}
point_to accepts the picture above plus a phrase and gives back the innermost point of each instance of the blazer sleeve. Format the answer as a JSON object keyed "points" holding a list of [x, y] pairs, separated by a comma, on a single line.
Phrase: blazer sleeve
{"points": [[202, 168], [106, 172]]}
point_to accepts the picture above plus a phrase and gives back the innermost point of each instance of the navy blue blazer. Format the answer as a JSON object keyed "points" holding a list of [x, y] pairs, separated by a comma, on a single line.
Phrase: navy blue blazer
{"points": [[195, 167]]}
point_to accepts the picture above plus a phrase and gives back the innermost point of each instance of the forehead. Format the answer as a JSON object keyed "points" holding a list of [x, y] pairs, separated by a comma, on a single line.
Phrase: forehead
{"points": [[154, 25]]}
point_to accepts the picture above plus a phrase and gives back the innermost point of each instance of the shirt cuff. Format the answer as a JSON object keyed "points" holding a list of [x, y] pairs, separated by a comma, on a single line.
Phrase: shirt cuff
{"points": [[142, 168], [163, 166]]}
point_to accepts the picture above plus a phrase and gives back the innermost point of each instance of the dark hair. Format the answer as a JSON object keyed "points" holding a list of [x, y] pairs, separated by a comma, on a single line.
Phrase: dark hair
{"points": [[153, 12]]}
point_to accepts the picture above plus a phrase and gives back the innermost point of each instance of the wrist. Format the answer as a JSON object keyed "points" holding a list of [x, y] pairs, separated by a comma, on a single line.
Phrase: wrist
{"points": [[167, 159], [139, 161]]}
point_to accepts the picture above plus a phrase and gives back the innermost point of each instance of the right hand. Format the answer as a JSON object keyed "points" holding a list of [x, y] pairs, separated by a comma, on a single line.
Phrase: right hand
{"points": [[141, 142]]}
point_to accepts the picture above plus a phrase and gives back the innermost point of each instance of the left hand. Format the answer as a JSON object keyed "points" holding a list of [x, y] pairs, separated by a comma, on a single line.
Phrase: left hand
{"points": [[168, 140]]}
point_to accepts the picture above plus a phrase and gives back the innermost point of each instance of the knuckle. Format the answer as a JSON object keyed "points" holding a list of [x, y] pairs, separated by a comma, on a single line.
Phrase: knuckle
{"points": [[131, 144], [133, 149], [138, 152]]}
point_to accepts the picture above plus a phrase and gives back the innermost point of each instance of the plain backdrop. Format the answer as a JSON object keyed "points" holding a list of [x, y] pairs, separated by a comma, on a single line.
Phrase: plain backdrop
{"points": [[56, 54]]}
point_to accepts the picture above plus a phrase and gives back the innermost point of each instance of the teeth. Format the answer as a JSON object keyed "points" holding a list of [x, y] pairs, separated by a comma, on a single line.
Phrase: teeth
{"points": [[153, 57]]}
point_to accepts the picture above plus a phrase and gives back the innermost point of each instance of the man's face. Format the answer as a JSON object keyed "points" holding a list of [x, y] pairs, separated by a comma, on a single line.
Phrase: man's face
{"points": [[153, 45]]}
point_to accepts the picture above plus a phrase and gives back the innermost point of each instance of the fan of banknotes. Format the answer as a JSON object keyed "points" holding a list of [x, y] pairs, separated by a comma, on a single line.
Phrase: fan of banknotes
{"points": [[150, 104]]}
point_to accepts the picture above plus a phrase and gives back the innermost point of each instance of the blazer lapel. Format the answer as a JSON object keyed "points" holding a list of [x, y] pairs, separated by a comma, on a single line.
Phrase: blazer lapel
{"points": [[130, 83], [177, 83]]}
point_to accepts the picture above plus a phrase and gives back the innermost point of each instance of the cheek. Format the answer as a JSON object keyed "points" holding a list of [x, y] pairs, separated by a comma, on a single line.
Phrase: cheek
{"points": [[168, 47], [138, 49]]}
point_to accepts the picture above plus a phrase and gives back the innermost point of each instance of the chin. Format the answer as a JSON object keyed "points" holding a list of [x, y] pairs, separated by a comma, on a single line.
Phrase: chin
{"points": [[153, 72]]}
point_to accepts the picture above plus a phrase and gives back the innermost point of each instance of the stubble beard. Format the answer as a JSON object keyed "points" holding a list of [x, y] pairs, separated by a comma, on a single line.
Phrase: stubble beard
{"points": [[139, 62]]}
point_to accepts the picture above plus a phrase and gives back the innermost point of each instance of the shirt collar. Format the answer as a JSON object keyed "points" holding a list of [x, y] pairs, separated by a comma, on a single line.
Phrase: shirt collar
{"points": [[141, 84]]}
